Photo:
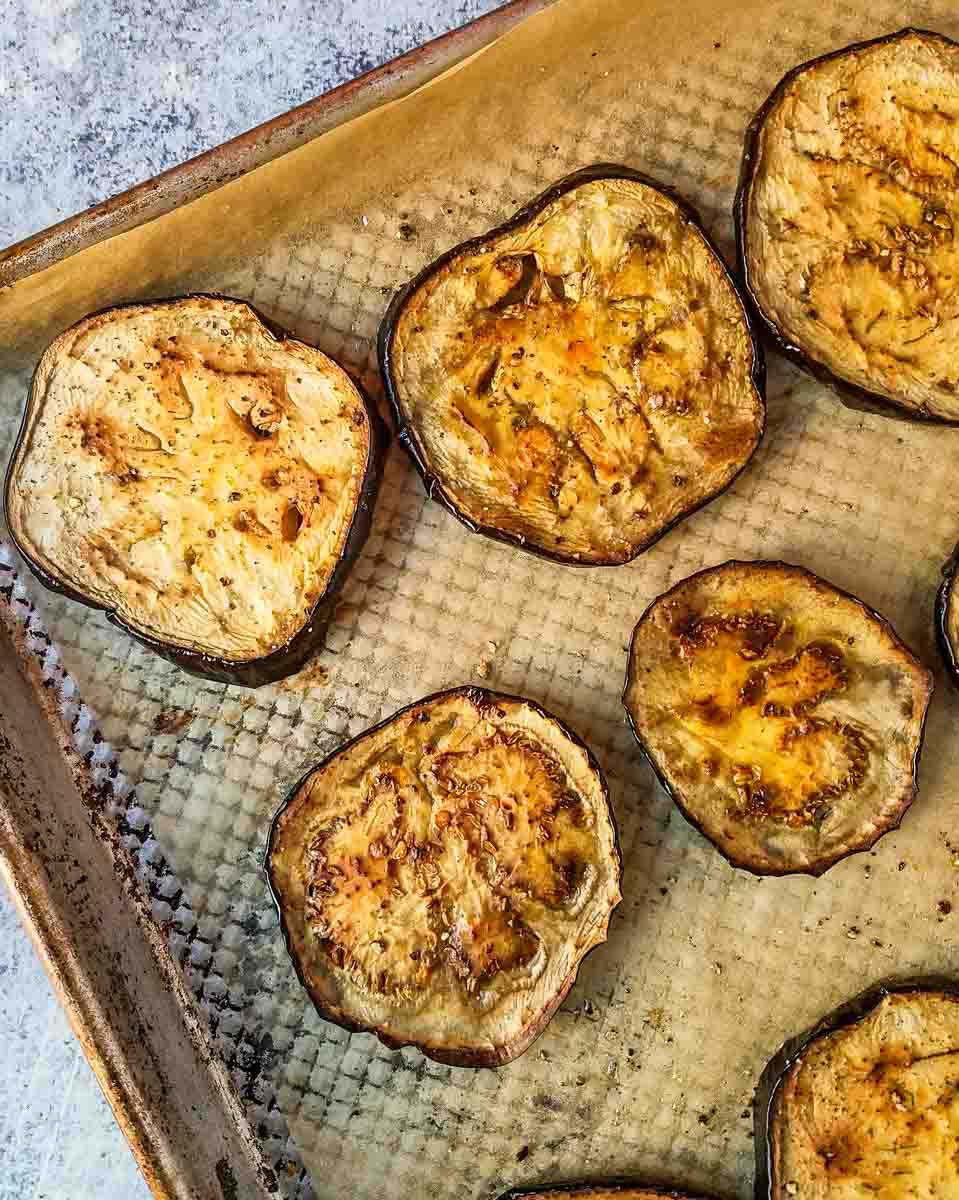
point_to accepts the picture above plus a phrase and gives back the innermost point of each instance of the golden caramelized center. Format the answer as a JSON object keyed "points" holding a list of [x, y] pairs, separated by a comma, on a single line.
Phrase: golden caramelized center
{"points": [[443, 871], [577, 381], [219, 434], [895, 1128], [751, 696], [561, 373]]}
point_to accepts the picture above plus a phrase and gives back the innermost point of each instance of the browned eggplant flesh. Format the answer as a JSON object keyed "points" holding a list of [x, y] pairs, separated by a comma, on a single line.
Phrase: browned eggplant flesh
{"points": [[203, 480], [848, 210], [871, 1108], [783, 715], [441, 877], [580, 379]]}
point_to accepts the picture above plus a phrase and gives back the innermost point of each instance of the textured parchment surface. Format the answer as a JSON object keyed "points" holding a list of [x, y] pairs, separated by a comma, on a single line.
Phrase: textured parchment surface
{"points": [[650, 1065]]}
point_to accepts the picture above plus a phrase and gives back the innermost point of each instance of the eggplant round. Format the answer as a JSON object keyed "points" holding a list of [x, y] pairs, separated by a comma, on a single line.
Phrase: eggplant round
{"points": [[583, 377], [616, 1189], [783, 716], [846, 219], [201, 477], [947, 616], [865, 1104], [440, 878]]}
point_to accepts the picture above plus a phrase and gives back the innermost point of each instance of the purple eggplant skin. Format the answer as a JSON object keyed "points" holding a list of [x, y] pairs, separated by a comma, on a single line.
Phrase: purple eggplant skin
{"points": [[766, 1102], [287, 659], [454, 1056], [406, 437], [586, 1189], [858, 398], [822, 866], [946, 649]]}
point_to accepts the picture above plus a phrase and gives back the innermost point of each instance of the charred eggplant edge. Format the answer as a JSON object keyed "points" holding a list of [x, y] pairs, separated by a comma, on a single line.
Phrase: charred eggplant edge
{"points": [[287, 659], [586, 1189], [405, 434], [769, 1086], [463, 1056], [821, 865], [852, 395], [946, 649]]}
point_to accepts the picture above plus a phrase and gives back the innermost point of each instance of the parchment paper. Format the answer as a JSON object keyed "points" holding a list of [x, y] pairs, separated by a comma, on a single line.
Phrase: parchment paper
{"points": [[649, 1067]]}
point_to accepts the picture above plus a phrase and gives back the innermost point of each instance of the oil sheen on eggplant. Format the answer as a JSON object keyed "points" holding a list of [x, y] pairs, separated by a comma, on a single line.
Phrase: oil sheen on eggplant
{"points": [[947, 616], [441, 877], [784, 716], [850, 208], [580, 379], [872, 1109], [194, 475]]}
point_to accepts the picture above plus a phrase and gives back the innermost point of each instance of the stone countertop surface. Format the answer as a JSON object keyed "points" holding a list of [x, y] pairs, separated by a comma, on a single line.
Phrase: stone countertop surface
{"points": [[99, 95]]}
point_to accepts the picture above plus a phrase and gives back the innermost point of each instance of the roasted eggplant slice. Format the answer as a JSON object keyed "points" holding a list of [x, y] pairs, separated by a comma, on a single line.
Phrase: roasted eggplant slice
{"points": [[440, 878], [947, 616], [782, 715], [846, 220], [867, 1104], [618, 1189], [203, 479], [578, 380]]}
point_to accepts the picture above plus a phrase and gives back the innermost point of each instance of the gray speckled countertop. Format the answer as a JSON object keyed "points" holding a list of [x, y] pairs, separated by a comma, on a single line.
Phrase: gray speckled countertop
{"points": [[98, 95]]}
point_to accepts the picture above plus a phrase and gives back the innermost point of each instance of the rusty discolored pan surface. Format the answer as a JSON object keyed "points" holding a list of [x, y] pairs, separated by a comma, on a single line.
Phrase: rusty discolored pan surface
{"points": [[75, 886]]}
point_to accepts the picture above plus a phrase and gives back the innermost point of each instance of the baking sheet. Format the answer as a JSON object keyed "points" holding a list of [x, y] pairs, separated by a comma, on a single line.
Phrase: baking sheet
{"points": [[649, 1066]]}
